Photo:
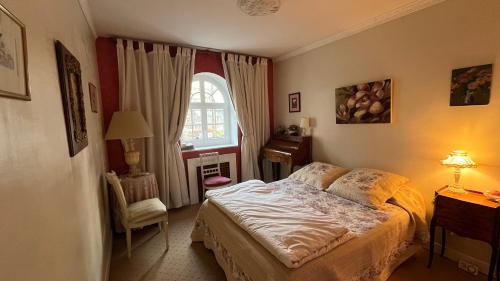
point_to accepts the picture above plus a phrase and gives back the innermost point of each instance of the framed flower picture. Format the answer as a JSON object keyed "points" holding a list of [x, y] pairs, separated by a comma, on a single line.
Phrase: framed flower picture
{"points": [[13, 57], [294, 102], [471, 85]]}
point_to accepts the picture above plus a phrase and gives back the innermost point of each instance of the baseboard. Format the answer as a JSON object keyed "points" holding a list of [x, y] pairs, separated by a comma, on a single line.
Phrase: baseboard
{"points": [[108, 249], [455, 255]]}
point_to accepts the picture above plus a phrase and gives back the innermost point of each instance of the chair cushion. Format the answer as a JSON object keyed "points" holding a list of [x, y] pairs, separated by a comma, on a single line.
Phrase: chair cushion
{"points": [[216, 181], [146, 209]]}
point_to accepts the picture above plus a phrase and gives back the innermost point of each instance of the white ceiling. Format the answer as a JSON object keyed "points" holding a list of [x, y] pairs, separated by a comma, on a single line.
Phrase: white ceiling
{"points": [[300, 25]]}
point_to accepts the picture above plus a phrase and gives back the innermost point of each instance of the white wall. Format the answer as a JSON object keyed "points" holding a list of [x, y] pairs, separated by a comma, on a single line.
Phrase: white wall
{"points": [[53, 219], [417, 51]]}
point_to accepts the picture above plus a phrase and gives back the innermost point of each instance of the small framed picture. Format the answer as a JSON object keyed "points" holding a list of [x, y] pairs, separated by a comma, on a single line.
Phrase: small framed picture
{"points": [[294, 102], [471, 85], [13, 57], [93, 97]]}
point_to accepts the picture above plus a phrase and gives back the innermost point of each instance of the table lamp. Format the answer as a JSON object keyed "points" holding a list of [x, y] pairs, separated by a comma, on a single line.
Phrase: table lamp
{"points": [[128, 126], [458, 159], [305, 124]]}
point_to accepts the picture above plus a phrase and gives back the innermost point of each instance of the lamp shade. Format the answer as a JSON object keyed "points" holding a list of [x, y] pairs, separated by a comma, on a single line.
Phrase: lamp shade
{"points": [[305, 123], [459, 159], [128, 125]]}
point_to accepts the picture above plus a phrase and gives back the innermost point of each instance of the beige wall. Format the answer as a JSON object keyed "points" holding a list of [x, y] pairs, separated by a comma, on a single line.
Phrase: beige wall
{"points": [[418, 52], [53, 223]]}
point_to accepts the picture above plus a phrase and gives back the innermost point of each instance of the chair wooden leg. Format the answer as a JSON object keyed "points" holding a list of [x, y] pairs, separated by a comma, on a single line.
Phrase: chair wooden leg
{"points": [[165, 229], [129, 243], [159, 226]]}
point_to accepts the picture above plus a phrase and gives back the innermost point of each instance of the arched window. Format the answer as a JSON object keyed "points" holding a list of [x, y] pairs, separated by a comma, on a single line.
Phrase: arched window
{"points": [[210, 120]]}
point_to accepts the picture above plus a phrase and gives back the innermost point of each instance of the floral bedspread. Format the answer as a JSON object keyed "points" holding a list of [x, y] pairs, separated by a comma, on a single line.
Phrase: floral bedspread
{"points": [[294, 221]]}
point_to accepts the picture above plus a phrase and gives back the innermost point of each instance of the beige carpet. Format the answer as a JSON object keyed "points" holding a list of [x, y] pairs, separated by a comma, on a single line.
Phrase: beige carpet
{"points": [[186, 261]]}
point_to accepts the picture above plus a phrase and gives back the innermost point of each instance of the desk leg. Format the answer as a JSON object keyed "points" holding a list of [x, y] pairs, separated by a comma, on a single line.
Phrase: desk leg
{"points": [[276, 171], [261, 169], [493, 260], [431, 242], [443, 241]]}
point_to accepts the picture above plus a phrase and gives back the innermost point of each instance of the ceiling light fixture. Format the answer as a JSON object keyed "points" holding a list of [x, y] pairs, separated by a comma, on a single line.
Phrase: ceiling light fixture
{"points": [[259, 7]]}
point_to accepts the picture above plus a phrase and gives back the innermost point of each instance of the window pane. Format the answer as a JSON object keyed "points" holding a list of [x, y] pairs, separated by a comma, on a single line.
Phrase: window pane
{"points": [[188, 117], [209, 98], [186, 133], [219, 131], [195, 87], [197, 132], [196, 115], [210, 116], [191, 133], [209, 87], [219, 116], [195, 97], [218, 97]]}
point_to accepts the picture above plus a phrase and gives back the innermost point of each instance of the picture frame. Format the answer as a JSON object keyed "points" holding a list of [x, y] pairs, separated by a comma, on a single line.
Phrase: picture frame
{"points": [[365, 103], [294, 102], [14, 79], [471, 85], [70, 80], [93, 98]]}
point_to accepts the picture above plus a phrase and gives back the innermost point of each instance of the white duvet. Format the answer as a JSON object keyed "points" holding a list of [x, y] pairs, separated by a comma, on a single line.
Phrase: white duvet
{"points": [[292, 231]]}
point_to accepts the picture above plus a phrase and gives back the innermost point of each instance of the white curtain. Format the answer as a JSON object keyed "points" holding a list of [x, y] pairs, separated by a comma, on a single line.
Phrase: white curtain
{"points": [[159, 87], [248, 87]]}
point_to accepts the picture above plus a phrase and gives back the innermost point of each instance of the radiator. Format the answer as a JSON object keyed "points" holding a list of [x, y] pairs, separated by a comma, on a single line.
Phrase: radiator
{"points": [[227, 168]]}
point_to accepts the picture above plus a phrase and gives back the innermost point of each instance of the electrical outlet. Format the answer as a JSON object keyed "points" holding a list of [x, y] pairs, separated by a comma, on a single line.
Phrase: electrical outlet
{"points": [[468, 267]]}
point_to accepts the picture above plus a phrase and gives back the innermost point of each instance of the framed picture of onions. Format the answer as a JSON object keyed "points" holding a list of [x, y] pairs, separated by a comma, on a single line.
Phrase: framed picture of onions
{"points": [[364, 103]]}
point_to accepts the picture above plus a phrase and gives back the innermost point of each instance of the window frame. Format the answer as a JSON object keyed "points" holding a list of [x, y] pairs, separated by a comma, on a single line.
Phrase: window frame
{"points": [[230, 126]]}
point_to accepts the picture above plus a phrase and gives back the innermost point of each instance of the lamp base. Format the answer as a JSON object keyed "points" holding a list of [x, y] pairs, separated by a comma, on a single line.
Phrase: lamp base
{"points": [[457, 189], [132, 158]]}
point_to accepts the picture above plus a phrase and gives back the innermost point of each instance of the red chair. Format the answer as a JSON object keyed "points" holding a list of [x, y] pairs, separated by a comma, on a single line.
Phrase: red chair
{"points": [[210, 172]]}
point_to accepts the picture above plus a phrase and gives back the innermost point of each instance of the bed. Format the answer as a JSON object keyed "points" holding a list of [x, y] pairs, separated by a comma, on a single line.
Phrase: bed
{"points": [[288, 231]]}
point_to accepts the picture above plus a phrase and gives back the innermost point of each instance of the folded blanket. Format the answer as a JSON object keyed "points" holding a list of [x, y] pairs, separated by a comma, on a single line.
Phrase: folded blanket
{"points": [[290, 230]]}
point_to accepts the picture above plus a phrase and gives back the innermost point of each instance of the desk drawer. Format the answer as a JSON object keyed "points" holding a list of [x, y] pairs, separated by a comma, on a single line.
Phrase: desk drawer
{"points": [[465, 219]]}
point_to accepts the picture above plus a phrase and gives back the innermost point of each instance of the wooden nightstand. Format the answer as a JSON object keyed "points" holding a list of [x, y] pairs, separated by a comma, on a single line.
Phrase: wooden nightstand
{"points": [[469, 215]]}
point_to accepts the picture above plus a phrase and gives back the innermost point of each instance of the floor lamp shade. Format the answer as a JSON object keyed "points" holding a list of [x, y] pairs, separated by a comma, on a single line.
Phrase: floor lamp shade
{"points": [[127, 126]]}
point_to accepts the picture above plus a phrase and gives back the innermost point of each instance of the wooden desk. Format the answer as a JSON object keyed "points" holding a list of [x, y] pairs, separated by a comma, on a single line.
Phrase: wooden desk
{"points": [[469, 215], [291, 150]]}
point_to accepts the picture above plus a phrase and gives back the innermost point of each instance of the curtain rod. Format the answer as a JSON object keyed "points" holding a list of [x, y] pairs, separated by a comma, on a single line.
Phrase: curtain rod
{"points": [[186, 46]]}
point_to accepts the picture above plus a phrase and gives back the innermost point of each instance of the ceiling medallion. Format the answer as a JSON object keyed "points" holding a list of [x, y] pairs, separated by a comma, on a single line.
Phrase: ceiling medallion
{"points": [[259, 7]]}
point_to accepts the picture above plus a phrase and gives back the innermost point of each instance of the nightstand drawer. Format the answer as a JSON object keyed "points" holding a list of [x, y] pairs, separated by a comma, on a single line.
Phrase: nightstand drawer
{"points": [[465, 218]]}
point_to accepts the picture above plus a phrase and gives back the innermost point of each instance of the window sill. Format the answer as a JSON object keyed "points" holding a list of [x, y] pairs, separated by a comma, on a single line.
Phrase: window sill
{"points": [[199, 149]]}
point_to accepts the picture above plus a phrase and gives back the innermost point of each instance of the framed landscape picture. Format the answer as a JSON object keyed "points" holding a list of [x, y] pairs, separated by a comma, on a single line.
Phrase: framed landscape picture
{"points": [[70, 80], [13, 57], [294, 102], [364, 103], [471, 85]]}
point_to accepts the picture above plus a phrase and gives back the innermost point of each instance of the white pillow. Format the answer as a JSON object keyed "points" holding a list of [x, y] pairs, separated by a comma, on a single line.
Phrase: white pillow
{"points": [[319, 175], [368, 187]]}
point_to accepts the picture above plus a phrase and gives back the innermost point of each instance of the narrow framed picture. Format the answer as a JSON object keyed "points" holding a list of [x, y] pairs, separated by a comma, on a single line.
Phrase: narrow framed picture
{"points": [[13, 57], [294, 102], [364, 103], [471, 85], [93, 97], [70, 80]]}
